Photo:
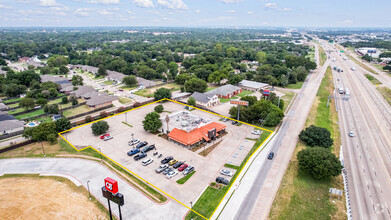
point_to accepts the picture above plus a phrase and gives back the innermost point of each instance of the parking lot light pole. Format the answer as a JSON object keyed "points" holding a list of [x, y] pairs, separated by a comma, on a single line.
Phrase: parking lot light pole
{"points": [[88, 186], [191, 210]]}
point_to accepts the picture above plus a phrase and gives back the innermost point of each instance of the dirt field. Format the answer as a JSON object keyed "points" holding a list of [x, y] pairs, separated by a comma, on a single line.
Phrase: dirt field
{"points": [[45, 198]]}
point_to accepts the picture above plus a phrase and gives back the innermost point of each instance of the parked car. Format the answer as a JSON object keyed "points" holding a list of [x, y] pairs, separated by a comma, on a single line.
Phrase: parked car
{"points": [[172, 162], [106, 138], [234, 122], [161, 168], [188, 170], [222, 180], [147, 162], [167, 159], [178, 164], [121, 90], [226, 172], [225, 119], [140, 156], [182, 167], [103, 136], [133, 152], [167, 170], [351, 133], [171, 174], [149, 148], [270, 156], [134, 141], [256, 132], [142, 144]]}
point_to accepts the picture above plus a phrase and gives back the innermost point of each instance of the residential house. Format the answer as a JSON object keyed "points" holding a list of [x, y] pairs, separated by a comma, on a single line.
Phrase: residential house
{"points": [[24, 59], [145, 83], [3, 107], [99, 101], [82, 90], [252, 85], [205, 99], [115, 76], [181, 95], [8, 124], [226, 91]]}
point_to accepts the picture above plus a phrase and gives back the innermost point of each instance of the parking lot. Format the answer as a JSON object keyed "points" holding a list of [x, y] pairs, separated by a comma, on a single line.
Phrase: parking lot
{"points": [[207, 168]]}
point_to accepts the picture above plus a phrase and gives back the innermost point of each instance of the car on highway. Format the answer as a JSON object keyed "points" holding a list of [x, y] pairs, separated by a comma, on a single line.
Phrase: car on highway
{"points": [[106, 138], [142, 144], [140, 156], [256, 132], [133, 152], [172, 162], [222, 180], [147, 162], [178, 164], [167, 159], [270, 156], [161, 168], [149, 148], [171, 174], [103, 136], [167, 170], [351, 133], [134, 141], [188, 170], [182, 167], [226, 172]]}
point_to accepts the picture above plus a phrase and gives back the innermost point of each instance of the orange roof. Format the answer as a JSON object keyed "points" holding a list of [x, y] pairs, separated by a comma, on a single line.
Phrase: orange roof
{"points": [[192, 137]]}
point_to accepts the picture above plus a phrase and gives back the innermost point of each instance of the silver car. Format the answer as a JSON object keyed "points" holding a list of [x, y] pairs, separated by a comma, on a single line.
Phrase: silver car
{"points": [[226, 173]]}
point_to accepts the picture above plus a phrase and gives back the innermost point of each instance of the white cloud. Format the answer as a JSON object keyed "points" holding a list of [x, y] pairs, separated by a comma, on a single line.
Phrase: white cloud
{"points": [[82, 12], [104, 2], [47, 2], [129, 12], [4, 6], [229, 1], [270, 6], [153, 12], [172, 4], [231, 11], [105, 12], [250, 12], [144, 3], [286, 9], [348, 21], [197, 11]]}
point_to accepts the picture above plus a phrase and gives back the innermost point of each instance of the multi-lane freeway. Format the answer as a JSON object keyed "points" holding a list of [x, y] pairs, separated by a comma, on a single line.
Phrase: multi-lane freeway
{"points": [[367, 155]]}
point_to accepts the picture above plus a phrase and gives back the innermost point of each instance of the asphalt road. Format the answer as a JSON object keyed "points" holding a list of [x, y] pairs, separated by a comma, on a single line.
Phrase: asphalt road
{"points": [[367, 156]]}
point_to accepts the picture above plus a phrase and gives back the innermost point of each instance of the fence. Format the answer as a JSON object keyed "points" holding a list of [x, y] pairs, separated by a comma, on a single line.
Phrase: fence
{"points": [[5, 136], [162, 84], [87, 113], [49, 99], [12, 147]]}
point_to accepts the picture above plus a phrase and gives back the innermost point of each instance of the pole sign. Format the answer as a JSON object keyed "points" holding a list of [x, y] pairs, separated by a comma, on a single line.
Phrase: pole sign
{"points": [[239, 102], [266, 92], [111, 185]]}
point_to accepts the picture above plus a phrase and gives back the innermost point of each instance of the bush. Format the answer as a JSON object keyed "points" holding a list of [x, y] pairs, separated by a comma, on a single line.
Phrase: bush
{"points": [[191, 101], [104, 114], [319, 163], [121, 109], [63, 124], [64, 100], [51, 109], [88, 119], [159, 108], [41, 101], [99, 127], [52, 139], [162, 93], [316, 136]]}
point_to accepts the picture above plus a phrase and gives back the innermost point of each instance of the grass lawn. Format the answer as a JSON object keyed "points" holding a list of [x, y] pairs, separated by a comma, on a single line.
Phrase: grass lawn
{"points": [[13, 105], [362, 64], [211, 197], [108, 82], [17, 110], [30, 114], [185, 178], [11, 100], [124, 100], [223, 100], [75, 111], [287, 99], [151, 91], [210, 88], [322, 56], [300, 196], [298, 85], [244, 93], [373, 80], [125, 87], [386, 93]]}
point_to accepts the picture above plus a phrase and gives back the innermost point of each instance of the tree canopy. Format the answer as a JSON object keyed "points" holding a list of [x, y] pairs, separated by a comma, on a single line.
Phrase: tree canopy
{"points": [[99, 127], [152, 122], [316, 136], [162, 93]]}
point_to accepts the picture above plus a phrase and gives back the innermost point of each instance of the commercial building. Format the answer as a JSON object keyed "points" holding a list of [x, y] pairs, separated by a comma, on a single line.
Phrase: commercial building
{"points": [[226, 91], [205, 100], [252, 85]]}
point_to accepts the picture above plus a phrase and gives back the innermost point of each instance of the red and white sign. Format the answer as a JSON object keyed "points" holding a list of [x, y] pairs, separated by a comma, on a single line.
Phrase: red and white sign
{"points": [[111, 185], [266, 92]]}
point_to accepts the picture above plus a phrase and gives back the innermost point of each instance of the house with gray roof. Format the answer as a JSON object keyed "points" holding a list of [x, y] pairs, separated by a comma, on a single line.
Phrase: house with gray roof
{"points": [[226, 91], [3, 106], [252, 85], [99, 101], [115, 76], [205, 99], [82, 90], [8, 124], [145, 82]]}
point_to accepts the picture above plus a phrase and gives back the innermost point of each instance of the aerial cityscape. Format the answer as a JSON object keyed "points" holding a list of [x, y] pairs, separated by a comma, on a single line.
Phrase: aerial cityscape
{"points": [[178, 109]]}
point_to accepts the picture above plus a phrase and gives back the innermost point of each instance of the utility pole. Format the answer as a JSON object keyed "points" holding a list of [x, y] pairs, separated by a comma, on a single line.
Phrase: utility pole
{"points": [[88, 186]]}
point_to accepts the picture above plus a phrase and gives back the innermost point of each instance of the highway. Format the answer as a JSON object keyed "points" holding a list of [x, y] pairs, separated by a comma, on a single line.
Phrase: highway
{"points": [[367, 155], [255, 192]]}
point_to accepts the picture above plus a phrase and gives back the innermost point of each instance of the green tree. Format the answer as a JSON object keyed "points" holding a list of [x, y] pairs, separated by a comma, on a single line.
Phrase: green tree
{"points": [[12, 90], [63, 70], [261, 57], [217, 76], [159, 108], [195, 85], [162, 93], [41, 101], [57, 61], [51, 109], [53, 92], [77, 80], [173, 67], [152, 122], [319, 163], [73, 100], [316, 136], [41, 132], [191, 101], [64, 100], [234, 79], [63, 124], [130, 81], [251, 99], [102, 71], [27, 103], [99, 127]]}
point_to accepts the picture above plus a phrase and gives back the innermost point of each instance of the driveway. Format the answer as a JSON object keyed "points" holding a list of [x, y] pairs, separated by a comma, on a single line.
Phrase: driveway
{"points": [[137, 206]]}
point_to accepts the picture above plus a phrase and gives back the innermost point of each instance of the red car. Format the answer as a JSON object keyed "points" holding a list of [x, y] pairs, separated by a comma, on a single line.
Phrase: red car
{"points": [[121, 90], [182, 167], [103, 136]]}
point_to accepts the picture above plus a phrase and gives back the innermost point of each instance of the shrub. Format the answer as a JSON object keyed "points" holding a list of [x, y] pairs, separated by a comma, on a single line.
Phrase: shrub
{"points": [[64, 100], [104, 114], [121, 109], [99, 127], [88, 119], [316, 136], [52, 139], [159, 108]]}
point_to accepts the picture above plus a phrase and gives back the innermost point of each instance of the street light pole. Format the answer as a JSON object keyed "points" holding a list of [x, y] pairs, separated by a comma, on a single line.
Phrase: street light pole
{"points": [[88, 186], [191, 210]]}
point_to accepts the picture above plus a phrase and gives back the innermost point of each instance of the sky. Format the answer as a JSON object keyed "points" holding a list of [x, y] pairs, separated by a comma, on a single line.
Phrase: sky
{"points": [[195, 13]]}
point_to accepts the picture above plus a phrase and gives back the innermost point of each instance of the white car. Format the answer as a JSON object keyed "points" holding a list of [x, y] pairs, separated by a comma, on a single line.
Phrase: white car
{"points": [[226, 172], [147, 162], [107, 137], [171, 174], [351, 133], [256, 132], [134, 141]]}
